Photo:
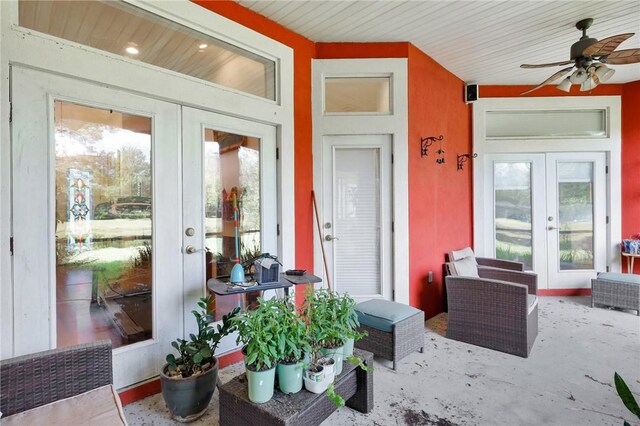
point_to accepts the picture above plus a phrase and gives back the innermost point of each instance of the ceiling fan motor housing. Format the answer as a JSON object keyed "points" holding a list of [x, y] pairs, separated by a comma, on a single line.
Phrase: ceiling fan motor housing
{"points": [[578, 47]]}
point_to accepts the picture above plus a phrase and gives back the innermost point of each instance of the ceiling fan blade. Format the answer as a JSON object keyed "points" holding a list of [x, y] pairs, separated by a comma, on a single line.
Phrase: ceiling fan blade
{"points": [[551, 79], [552, 64], [621, 57], [606, 45]]}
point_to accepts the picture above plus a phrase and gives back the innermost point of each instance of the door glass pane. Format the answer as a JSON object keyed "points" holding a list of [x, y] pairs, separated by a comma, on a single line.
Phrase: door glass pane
{"points": [[125, 30], [231, 169], [357, 94], [357, 220], [103, 227], [575, 215], [513, 237]]}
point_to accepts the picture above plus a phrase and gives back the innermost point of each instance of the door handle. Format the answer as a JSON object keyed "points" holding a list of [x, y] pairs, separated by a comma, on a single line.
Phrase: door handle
{"points": [[191, 249], [330, 238], [551, 228]]}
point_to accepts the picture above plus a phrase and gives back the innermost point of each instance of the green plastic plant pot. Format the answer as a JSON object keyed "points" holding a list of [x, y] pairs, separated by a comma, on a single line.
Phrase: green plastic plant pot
{"points": [[261, 385], [290, 377], [337, 355], [348, 348]]}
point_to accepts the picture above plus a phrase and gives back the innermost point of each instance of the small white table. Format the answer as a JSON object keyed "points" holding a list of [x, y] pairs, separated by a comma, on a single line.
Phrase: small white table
{"points": [[630, 258]]}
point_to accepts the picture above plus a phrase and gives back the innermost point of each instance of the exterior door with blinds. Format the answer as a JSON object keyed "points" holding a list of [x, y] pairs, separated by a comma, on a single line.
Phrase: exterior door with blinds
{"points": [[357, 214]]}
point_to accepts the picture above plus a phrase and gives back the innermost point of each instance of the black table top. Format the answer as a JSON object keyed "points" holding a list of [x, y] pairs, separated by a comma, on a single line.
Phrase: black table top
{"points": [[222, 287]]}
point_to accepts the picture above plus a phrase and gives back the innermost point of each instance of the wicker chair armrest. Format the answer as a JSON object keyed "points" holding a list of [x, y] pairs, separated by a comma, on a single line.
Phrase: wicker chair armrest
{"points": [[33, 380], [487, 297], [527, 278], [499, 263]]}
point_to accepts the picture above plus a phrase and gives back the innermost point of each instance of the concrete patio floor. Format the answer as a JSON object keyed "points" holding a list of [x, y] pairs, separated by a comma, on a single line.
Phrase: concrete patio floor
{"points": [[567, 379]]}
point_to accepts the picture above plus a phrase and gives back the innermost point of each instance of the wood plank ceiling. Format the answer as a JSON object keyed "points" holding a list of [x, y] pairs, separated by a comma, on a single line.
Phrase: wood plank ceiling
{"points": [[479, 41]]}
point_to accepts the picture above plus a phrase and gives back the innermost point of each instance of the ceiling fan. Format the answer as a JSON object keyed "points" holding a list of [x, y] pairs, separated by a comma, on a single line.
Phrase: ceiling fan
{"points": [[589, 56]]}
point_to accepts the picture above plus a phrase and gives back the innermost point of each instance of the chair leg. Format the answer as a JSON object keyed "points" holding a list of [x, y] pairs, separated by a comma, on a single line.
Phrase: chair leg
{"points": [[422, 350], [394, 365]]}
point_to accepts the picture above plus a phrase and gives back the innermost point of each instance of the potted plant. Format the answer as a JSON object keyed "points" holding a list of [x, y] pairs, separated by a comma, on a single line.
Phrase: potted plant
{"points": [[258, 331], [320, 371], [188, 381], [348, 320], [292, 346]]}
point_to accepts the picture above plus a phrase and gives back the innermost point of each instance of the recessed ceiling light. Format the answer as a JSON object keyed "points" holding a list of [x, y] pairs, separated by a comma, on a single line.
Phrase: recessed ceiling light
{"points": [[203, 46], [132, 50]]}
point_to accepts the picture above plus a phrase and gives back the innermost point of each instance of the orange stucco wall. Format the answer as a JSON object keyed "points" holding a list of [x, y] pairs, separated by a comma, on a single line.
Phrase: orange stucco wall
{"points": [[630, 95], [440, 196]]}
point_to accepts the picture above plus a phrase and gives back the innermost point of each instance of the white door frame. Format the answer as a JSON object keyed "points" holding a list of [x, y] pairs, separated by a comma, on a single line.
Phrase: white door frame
{"points": [[394, 123], [609, 144], [40, 51]]}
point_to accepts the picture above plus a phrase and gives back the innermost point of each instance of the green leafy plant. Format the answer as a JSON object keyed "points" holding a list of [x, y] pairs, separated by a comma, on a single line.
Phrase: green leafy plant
{"points": [[321, 328], [627, 397], [333, 396], [197, 353], [291, 332], [331, 319], [259, 331]]}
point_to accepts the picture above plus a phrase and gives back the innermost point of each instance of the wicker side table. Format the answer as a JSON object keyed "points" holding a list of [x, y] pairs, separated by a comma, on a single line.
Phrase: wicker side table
{"points": [[617, 290], [303, 408], [396, 339]]}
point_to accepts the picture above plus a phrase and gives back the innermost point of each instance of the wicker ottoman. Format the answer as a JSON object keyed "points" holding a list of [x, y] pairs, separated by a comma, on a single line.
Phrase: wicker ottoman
{"points": [[394, 330], [617, 290]]}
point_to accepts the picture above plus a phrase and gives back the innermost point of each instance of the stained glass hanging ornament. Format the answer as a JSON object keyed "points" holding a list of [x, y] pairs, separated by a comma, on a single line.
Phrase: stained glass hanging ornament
{"points": [[79, 208]]}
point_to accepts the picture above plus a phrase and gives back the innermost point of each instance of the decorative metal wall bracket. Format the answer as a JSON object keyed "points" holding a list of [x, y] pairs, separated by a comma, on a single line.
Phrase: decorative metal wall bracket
{"points": [[426, 142], [464, 157]]}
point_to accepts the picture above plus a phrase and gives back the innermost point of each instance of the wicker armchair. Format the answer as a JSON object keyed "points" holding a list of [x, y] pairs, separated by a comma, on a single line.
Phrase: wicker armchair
{"points": [[32, 381], [497, 310]]}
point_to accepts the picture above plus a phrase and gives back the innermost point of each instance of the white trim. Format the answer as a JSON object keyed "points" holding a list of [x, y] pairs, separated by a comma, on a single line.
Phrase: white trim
{"points": [[610, 144], [395, 124], [39, 51]]}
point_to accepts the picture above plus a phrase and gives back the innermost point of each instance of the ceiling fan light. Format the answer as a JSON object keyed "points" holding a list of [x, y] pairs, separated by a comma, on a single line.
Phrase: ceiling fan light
{"points": [[579, 76], [604, 73], [565, 85], [587, 85]]}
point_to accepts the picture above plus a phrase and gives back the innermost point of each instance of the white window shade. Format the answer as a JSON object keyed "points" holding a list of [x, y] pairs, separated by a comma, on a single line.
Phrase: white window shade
{"points": [[357, 219], [558, 124]]}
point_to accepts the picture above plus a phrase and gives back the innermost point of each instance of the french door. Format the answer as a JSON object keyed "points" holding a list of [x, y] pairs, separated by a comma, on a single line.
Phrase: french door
{"points": [[223, 158], [549, 212], [96, 182], [357, 214], [122, 209]]}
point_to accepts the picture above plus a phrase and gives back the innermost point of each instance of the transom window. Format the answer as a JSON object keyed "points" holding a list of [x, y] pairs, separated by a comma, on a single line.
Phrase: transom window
{"points": [[125, 30]]}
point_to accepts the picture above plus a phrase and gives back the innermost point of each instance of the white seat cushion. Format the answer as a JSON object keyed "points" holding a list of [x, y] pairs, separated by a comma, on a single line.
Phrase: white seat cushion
{"points": [[96, 407], [532, 301], [462, 254], [466, 267]]}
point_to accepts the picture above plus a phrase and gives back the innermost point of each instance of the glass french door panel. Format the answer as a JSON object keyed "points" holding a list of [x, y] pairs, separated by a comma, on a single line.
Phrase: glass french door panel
{"points": [[357, 220], [513, 212], [231, 170], [103, 231], [575, 215]]}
